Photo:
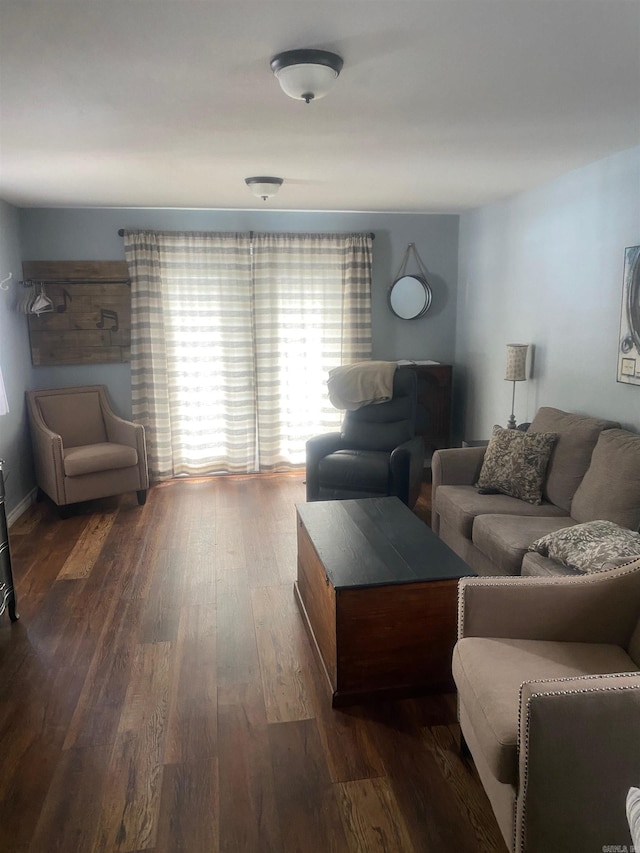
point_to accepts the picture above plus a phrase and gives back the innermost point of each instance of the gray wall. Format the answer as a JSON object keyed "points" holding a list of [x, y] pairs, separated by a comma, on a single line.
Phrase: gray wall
{"points": [[56, 235], [545, 268], [15, 360], [60, 234]]}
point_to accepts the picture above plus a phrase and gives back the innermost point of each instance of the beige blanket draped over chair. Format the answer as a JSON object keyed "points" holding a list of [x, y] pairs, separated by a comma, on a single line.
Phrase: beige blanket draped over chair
{"points": [[355, 385]]}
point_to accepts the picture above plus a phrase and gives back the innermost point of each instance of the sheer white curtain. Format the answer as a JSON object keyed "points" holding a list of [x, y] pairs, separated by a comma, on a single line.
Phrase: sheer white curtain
{"points": [[312, 312], [232, 339], [4, 403], [192, 370]]}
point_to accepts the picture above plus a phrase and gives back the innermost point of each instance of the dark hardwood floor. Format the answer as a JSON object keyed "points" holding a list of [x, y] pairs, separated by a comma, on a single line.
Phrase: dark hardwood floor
{"points": [[159, 693]]}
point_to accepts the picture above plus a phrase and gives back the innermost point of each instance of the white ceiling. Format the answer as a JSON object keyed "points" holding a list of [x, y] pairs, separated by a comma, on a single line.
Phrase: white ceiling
{"points": [[442, 105]]}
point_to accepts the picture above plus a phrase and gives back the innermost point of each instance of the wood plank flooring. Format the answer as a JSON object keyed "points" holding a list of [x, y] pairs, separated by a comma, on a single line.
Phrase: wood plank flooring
{"points": [[159, 694]]}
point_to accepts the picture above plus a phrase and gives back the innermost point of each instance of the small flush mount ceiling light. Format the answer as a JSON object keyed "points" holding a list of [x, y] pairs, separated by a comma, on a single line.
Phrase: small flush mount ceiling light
{"points": [[306, 75], [263, 186]]}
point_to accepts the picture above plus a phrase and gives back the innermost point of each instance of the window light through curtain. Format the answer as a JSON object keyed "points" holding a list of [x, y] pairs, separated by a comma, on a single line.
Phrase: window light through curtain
{"points": [[312, 312], [4, 403], [232, 340]]}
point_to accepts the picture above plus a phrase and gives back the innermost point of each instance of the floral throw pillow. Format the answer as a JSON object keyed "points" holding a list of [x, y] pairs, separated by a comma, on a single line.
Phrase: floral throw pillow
{"points": [[633, 815], [590, 547], [515, 463]]}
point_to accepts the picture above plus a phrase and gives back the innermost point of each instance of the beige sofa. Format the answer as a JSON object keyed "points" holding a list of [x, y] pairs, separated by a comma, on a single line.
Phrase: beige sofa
{"points": [[593, 473], [549, 704]]}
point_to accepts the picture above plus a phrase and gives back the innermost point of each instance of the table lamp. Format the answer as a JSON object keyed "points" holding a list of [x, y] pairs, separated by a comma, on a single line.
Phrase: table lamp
{"points": [[516, 372]]}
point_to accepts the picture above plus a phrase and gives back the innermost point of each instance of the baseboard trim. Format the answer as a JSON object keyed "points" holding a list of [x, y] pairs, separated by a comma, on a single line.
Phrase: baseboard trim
{"points": [[23, 506]]}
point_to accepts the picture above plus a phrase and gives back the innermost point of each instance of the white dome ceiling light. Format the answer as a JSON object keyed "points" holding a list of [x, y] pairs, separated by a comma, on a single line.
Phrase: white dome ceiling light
{"points": [[306, 75], [263, 186]]}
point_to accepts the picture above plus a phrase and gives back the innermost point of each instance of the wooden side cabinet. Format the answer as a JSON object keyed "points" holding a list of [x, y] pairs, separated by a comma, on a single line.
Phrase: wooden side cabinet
{"points": [[433, 421]]}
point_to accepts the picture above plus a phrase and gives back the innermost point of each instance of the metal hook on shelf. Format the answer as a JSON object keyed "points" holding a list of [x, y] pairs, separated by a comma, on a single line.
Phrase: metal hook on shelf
{"points": [[3, 283]]}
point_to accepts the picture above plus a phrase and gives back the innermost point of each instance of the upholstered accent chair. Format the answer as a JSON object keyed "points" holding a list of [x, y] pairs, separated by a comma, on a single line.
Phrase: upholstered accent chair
{"points": [[547, 671], [82, 450], [376, 454]]}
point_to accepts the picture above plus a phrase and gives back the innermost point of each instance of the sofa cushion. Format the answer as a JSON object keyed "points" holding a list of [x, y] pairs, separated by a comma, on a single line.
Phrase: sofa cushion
{"points": [[590, 547], [611, 487], [515, 463], [104, 456], [461, 504], [363, 470], [505, 539], [535, 565], [571, 454], [488, 673]]}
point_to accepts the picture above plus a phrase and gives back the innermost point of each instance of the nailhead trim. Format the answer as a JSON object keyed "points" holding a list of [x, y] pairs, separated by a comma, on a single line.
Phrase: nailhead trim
{"points": [[598, 577], [525, 779]]}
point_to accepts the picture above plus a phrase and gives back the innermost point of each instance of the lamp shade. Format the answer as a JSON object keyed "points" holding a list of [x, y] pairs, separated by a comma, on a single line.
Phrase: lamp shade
{"points": [[4, 403], [516, 362], [306, 75]]}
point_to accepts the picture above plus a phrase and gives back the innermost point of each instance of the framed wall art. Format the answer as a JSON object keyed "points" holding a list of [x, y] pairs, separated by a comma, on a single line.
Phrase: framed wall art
{"points": [[629, 338]]}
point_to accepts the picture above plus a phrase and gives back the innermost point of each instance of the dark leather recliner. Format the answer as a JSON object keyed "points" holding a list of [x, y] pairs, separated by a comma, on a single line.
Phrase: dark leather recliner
{"points": [[376, 454]]}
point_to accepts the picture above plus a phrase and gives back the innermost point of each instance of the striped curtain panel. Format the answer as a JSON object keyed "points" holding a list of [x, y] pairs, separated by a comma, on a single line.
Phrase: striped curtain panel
{"points": [[192, 369], [232, 339], [312, 312]]}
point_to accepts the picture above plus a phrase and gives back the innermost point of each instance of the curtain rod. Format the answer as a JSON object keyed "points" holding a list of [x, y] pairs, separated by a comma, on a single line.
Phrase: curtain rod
{"points": [[121, 233]]}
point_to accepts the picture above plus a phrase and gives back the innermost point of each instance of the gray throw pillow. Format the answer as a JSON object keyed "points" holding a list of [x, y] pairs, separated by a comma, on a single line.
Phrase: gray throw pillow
{"points": [[611, 487], [515, 463], [577, 436], [590, 547]]}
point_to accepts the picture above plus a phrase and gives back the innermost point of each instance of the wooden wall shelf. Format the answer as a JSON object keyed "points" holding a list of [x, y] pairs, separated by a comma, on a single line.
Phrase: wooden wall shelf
{"points": [[91, 321]]}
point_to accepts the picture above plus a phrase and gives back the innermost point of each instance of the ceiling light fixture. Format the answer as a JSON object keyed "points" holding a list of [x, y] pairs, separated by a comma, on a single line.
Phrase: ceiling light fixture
{"points": [[263, 186], [306, 75]]}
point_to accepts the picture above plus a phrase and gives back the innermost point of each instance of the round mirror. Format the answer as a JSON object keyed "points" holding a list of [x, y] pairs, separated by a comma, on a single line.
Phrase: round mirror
{"points": [[409, 297], [633, 305]]}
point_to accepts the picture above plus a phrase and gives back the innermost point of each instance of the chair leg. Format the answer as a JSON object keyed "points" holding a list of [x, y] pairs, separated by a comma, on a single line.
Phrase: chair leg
{"points": [[142, 496], [64, 511], [11, 606]]}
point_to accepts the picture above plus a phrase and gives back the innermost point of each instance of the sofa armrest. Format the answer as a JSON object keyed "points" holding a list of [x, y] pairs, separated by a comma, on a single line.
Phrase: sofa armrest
{"points": [[119, 430], [597, 608], [316, 448], [407, 466], [575, 766], [130, 434], [456, 466], [48, 458]]}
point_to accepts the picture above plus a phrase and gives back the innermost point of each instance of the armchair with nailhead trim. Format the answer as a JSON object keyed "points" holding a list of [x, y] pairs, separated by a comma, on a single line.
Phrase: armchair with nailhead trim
{"points": [[81, 449], [548, 679]]}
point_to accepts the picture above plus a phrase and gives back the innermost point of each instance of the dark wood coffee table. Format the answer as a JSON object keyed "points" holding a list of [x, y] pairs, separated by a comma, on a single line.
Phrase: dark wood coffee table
{"points": [[377, 590]]}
